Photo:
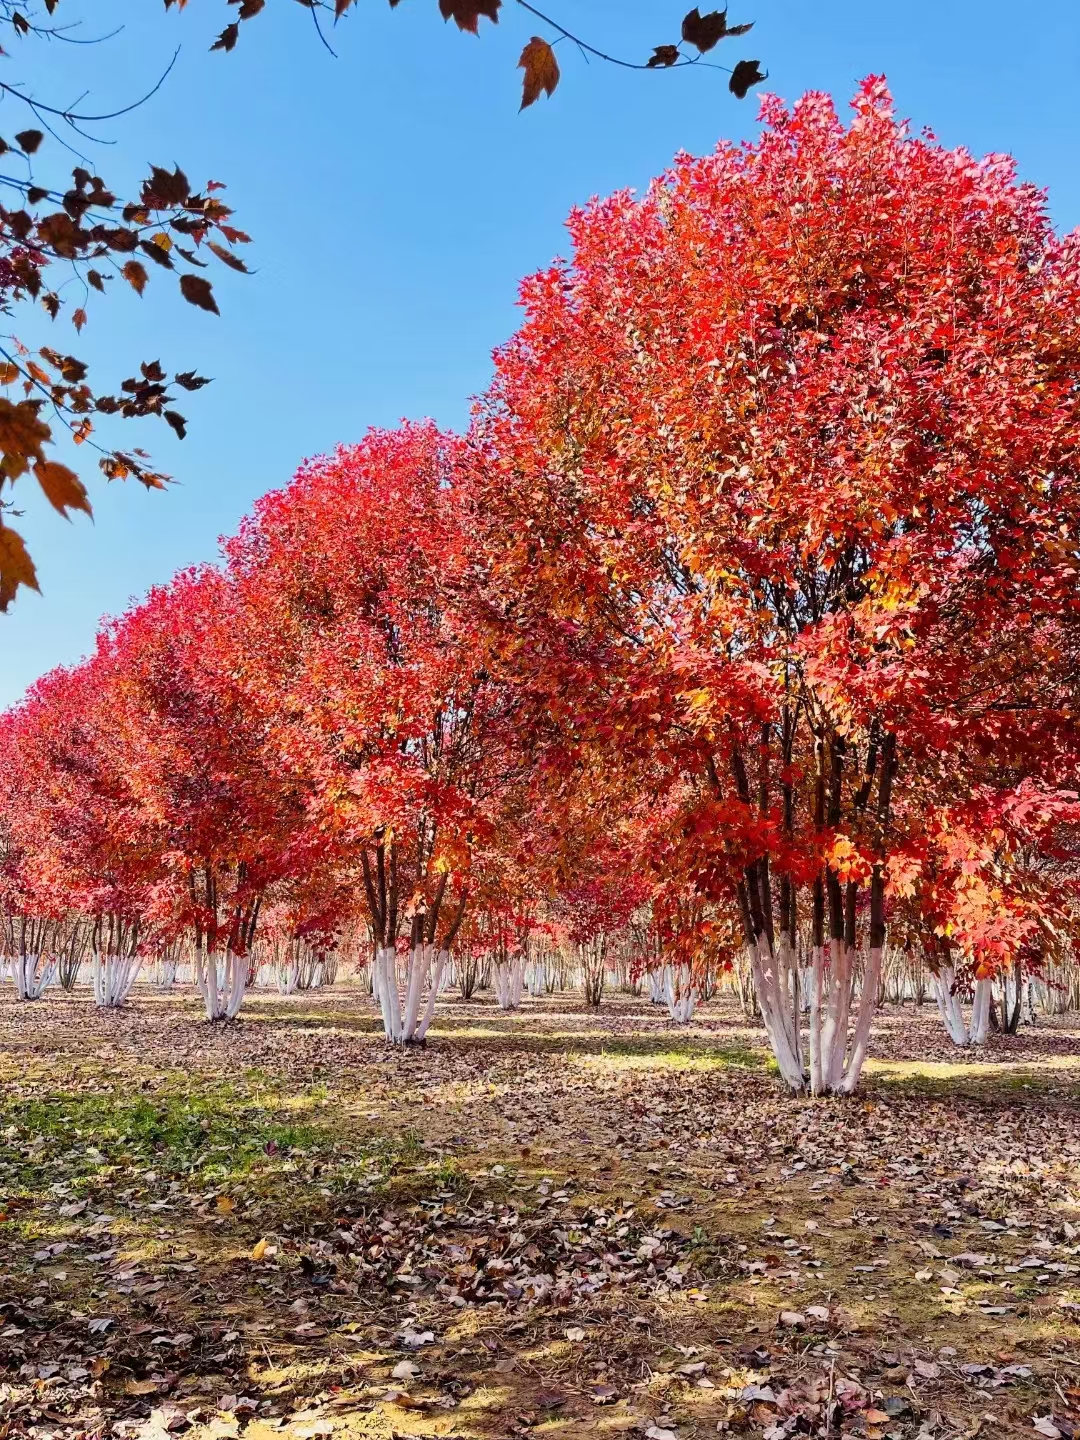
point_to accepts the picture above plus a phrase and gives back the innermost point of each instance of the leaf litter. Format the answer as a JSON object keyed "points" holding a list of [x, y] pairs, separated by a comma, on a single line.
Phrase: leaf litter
{"points": [[545, 1223]]}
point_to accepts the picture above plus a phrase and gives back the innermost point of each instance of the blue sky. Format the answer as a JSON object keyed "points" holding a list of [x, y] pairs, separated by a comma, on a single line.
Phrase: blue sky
{"points": [[396, 197]]}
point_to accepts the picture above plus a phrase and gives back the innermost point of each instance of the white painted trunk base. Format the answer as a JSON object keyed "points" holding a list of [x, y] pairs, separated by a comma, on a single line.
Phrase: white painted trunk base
{"points": [[837, 1050], [680, 993], [33, 974], [165, 974], [114, 976], [221, 981], [507, 977], [406, 1015], [959, 1031]]}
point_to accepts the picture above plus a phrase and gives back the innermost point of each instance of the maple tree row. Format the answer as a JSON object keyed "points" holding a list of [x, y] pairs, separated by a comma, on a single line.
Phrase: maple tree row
{"points": [[747, 603]]}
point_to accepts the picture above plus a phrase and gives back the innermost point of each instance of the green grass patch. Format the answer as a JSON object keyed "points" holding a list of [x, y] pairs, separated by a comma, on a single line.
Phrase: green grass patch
{"points": [[211, 1139], [195, 1137]]}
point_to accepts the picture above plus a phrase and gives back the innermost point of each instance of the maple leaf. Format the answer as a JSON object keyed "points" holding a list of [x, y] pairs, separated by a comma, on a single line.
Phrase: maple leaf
{"points": [[198, 291], [189, 380], [165, 189], [134, 272], [467, 13], [63, 488], [541, 70], [233, 261], [704, 31], [29, 140], [22, 434], [16, 567], [745, 74], [228, 38], [663, 56]]}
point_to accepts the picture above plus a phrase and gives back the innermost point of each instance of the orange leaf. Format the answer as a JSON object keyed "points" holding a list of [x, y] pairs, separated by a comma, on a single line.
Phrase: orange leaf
{"points": [[541, 70], [134, 272], [63, 488], [16, 567], [22, 435], [78, 318]]}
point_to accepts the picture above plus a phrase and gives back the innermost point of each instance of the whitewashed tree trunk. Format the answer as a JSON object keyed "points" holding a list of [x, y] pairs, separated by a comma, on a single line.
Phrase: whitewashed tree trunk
{"points": [[680, 993], [658, 985], [837, 1051], [436, 985], [165, 968], [33, 974], [806, 987], [980, 1012], [114, 976], [960, 1033], [287, 977], [775, 998], [221, 981], [407, 1011], [506, 981]]}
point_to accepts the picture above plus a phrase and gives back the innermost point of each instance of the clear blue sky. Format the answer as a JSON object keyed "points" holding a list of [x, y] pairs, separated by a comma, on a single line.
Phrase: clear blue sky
{"points": [[396, 197]]}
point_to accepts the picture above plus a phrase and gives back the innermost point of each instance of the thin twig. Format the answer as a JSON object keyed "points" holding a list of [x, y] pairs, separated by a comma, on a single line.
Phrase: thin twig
{"points": [[614, 59], [38, 106]]}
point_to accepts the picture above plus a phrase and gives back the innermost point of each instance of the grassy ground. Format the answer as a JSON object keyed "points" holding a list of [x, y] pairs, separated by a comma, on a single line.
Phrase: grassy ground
{"points": [[554, 1223]]}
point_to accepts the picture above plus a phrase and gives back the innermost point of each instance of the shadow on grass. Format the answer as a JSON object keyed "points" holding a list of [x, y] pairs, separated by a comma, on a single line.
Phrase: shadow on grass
{"points": [[1051, 1082], [487, 1026]]}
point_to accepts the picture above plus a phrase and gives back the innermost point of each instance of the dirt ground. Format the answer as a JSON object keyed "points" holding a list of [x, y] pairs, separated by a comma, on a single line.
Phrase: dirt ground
{"points": [[554, 1223]]}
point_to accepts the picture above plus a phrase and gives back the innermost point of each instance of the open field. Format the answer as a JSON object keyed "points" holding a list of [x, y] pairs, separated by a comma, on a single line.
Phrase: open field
{"points": [[551, 1223]]}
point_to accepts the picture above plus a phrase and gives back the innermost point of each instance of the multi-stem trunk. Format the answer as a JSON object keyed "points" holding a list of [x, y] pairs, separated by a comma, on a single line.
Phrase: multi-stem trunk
{"points": [[946, 990]]}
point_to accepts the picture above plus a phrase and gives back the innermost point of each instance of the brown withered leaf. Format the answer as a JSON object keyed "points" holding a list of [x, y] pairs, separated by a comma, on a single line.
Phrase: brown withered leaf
{"points": [[250, 8], [188, 380], [29, 140], [63, 488], [745, 74], [134, 272], [541, 70], [466, 13], [233, 261], [78, 318], [16, 567], [228, 37], [22, 434], [663, 56], [704, 31], [197, 291], [165, 188], [176, 422], [157, 252]]}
